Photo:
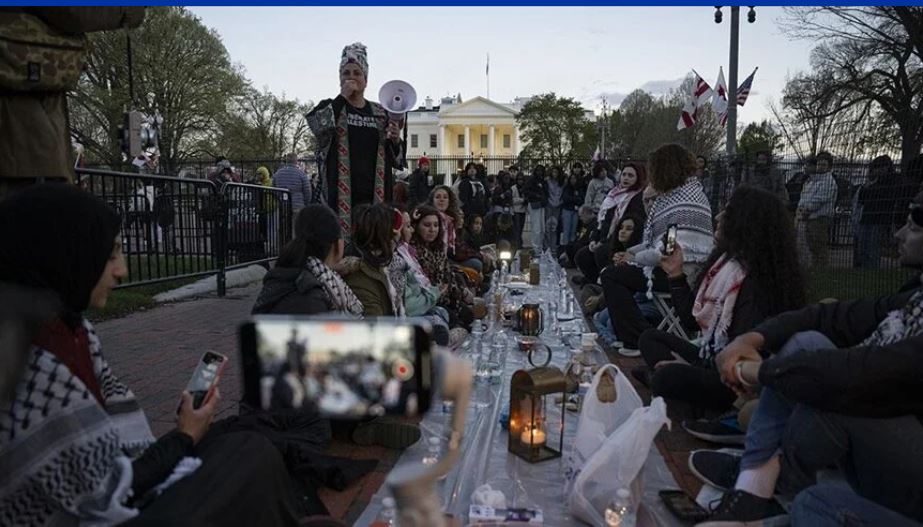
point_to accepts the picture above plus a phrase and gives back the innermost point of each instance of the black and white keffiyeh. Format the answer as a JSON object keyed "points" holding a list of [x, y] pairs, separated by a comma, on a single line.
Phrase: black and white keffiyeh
{"points": [[62, 453], [686, 207], [339, 294], [900, 324]]}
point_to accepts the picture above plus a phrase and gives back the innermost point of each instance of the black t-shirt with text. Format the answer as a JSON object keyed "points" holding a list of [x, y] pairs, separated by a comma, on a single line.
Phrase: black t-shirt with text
{"points": [[363, 152]]}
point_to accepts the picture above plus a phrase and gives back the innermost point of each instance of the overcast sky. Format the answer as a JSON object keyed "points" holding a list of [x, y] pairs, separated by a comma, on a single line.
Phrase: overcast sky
{"points": [[580, 52]]}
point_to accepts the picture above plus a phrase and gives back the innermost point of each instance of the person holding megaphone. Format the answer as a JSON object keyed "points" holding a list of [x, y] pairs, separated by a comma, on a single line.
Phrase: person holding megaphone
{"points": [[358, 144]]}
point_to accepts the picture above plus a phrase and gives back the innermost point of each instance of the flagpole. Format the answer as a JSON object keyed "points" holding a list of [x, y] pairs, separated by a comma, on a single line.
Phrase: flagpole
{"points": [[732, 82], [488, 76]]}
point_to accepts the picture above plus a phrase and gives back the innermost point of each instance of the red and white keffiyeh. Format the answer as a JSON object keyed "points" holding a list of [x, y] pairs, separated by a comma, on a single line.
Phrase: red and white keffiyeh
{"points": [[714, 303]]}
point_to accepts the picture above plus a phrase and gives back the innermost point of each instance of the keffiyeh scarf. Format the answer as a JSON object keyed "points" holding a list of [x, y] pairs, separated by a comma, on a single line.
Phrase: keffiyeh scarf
{"points": [[344, 174], [61, 451], [714, 304], [340, 296], [619, 198], [900, 324]]}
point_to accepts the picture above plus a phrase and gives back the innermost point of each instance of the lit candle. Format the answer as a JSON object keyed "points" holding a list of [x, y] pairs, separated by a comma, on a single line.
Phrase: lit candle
{"points": [[538, 437]]}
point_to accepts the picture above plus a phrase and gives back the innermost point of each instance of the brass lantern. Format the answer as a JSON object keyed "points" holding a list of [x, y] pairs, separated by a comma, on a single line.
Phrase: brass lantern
{"points": [[536, 423]]}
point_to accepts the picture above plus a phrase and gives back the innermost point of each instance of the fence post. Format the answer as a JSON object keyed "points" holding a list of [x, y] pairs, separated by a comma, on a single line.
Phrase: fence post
{"points": [[221, 238]]}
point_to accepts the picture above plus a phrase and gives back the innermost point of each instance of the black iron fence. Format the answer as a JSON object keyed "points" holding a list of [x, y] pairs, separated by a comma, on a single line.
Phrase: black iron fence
{"points": [[177, 228]]}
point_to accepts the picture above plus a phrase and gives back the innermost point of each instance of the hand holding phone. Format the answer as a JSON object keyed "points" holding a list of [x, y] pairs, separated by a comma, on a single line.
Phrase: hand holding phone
{"points": [[195, 421], [205, 377], [669, 240]]}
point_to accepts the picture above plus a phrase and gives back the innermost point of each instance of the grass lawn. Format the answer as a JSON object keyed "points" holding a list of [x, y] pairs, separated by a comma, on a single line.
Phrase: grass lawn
{"points": [[146, 267], [850, 284], [127, 300]]}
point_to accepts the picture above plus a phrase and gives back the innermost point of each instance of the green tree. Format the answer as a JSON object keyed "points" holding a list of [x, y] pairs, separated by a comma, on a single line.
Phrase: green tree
{"points": [[556, 128], [758, 137], [643, 122], [181, 71]]}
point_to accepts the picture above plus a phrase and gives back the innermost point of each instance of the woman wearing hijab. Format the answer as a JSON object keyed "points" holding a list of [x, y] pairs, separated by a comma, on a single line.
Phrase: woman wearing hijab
{"points": [[75, 446]]}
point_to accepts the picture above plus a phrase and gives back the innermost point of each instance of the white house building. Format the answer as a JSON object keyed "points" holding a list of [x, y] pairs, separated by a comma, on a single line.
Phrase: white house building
{"points": [[474, 128]]}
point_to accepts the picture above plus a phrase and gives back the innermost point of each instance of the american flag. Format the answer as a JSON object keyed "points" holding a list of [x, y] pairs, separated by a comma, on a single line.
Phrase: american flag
{"points": [[701, 91], [744, 90]]}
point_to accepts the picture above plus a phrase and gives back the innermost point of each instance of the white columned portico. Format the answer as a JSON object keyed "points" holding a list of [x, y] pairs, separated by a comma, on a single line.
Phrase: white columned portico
{"points": [[443, 149], [515, 144], [490, 141], [467, 140]]}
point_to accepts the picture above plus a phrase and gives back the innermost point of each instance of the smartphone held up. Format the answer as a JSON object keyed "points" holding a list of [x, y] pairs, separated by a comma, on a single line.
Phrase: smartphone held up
{"points": [[342, 368]]}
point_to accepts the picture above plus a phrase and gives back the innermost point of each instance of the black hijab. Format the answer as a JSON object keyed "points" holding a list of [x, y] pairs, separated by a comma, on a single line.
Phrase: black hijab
{"points": [[57, 237]]}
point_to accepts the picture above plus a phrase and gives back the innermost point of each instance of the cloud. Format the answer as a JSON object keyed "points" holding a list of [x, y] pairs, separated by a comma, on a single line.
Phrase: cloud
{"points": [[615, 98]]}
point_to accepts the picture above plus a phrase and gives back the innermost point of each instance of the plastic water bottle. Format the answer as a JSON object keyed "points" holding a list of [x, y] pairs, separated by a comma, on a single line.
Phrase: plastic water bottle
{"points": [[619, 513], [387, 515]]}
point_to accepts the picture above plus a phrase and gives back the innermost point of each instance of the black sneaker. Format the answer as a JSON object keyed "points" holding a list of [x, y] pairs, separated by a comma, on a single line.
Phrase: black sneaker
{"points": [[718, 469], [742, 509], [386, 432], [719, 431], [642, 374]]}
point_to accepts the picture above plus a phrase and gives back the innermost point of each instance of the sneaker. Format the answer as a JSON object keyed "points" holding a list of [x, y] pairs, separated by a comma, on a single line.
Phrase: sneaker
{"points": [[720, 431], [742, 509], [629, 352], [643, 375], [386, 432], [718, 469]]}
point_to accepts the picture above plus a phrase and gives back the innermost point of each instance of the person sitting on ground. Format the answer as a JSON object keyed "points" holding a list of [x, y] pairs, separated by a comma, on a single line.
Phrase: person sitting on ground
{"points": [[625, 199], [428, 242], [374, 239], [840, 386], [75, 445], [753, 273], [680, 202], [411, 284], [500, 227], [584, 232], [303, 281], [466, 254], [627, 234], [444, 200]]}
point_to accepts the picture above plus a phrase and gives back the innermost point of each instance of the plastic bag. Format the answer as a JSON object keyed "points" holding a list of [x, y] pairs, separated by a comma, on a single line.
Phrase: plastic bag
{"points": [[598, 420], [617, 464]]}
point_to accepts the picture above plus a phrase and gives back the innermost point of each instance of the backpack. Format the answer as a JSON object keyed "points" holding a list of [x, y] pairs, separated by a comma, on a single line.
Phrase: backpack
{"points": [[34, 57]]}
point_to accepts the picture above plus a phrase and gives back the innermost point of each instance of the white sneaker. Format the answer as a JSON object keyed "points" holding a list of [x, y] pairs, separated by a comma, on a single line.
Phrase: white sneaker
{"points": [[628, 352]]}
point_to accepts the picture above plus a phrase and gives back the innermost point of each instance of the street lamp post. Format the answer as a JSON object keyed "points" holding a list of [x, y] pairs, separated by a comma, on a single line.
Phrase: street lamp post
{"points": [[732, 72], [603, 125]]}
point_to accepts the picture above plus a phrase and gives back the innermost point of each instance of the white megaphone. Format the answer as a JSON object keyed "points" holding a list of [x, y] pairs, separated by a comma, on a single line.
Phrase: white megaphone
{"points": [[398, 98]]}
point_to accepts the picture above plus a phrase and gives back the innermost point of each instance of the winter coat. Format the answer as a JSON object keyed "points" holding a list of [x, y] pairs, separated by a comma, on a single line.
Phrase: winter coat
{"points": [[370, 284], [291, 291]]}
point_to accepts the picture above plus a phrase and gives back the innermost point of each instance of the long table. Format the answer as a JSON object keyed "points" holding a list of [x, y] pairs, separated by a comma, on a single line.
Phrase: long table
{"points": [[484, 456]]}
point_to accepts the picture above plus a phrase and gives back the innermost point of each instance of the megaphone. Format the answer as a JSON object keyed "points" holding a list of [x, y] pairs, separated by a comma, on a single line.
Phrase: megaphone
{"points": [[398, 98]]}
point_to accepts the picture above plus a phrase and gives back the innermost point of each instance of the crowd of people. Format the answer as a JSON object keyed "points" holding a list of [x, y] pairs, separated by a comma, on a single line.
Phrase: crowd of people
{"points": [[805, 388]]}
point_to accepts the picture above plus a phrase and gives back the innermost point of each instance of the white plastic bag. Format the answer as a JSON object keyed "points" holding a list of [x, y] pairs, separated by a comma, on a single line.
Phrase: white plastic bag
{"points": [[598, 420], [617, 464]]}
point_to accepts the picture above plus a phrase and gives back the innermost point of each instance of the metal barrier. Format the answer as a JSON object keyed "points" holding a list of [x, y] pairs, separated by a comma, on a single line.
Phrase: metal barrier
{"points": [[176, 228]]}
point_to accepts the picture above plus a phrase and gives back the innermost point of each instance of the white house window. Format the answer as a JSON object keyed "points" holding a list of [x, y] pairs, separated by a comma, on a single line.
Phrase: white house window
{"points": [[483, 140], [414, 141], [461, 141], [432, 140], [506, 141]]}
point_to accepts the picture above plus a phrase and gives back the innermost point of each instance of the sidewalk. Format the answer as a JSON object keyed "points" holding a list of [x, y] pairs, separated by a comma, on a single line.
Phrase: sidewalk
{"points": [[155, 351]]}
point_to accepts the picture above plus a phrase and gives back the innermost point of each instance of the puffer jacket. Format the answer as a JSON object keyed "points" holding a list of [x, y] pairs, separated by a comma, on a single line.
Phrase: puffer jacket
{"points": [[291, 291]]}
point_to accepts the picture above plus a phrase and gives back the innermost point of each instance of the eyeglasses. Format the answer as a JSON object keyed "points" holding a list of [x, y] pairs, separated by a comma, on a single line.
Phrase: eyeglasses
{"points": [[916, 214]]}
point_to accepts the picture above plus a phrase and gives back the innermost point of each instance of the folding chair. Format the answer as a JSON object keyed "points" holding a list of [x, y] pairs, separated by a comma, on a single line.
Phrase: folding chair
{"points": [[671, 322]]}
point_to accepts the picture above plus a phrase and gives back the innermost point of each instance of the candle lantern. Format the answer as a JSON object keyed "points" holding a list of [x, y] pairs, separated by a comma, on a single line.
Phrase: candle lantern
{"points": [[530, 320], [536, 432]]}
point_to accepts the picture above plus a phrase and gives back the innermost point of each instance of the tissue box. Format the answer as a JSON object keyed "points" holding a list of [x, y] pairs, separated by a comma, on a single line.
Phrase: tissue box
{"points": [[485, 514]]}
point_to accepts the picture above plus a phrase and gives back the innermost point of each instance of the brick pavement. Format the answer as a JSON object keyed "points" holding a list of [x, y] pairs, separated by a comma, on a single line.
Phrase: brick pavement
{"points": [[155, 351]]}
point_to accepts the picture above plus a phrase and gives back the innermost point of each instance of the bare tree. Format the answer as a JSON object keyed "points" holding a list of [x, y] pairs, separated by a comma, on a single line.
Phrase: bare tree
{"points": [[871, 59]]}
